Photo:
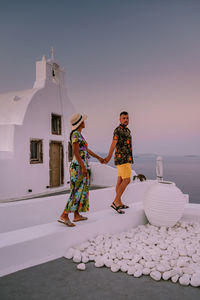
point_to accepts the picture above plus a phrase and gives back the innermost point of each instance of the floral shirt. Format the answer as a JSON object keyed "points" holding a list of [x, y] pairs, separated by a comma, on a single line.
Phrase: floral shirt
{"points": [[123, 150], [77, 137]]}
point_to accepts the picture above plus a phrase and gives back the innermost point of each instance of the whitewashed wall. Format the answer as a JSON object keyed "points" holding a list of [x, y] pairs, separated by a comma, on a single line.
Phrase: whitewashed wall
{"points": [[17, 175]]}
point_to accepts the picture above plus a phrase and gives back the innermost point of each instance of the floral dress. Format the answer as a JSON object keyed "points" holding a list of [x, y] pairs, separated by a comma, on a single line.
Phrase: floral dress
{"points": [[79, 184]]}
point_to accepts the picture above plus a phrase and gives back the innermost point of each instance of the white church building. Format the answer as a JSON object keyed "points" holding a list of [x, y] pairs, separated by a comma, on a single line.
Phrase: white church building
{"points": [[34, 131]]}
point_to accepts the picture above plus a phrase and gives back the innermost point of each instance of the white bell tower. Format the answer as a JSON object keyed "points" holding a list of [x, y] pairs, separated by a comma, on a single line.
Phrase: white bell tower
{"points": [[48, 72]]}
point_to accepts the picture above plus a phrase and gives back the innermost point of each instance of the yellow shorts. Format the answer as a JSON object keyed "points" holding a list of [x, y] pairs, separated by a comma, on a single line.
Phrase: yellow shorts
{"points": [[124, 171]]}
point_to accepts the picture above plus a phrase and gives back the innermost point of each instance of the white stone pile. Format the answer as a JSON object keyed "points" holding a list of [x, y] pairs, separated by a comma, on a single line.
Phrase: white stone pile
{"points": [[161, 252]]}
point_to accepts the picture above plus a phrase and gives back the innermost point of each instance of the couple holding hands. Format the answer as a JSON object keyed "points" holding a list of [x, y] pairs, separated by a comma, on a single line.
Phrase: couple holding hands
{"points": [[79, 178]]}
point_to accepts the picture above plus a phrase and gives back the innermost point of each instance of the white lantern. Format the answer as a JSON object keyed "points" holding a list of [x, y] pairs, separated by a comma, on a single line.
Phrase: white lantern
{"points": [[164, 204]]}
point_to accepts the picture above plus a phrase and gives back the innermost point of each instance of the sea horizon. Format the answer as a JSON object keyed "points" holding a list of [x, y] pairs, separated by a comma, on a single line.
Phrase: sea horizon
{"points": [[183, 170]]}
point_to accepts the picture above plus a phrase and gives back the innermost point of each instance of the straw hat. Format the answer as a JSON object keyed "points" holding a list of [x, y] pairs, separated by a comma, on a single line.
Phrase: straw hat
{"points": [[76, 120]]}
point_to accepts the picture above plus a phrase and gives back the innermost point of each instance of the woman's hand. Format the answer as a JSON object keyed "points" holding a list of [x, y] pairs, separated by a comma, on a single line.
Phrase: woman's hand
{"points": [[100, 159], [84, 171]]}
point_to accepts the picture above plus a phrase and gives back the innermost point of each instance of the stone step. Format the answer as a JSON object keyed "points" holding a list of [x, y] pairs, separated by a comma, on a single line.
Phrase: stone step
{"points": [[32, 212], [23, 248]]}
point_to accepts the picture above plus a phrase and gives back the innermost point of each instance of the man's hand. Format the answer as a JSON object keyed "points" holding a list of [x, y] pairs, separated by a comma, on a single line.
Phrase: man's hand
{"points": [[102, 161], [106, 160], [112, 148]]}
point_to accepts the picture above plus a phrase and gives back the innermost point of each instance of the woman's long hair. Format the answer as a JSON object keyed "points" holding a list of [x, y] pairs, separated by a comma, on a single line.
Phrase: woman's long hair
{"points": [[70, 149], [71, 133]]}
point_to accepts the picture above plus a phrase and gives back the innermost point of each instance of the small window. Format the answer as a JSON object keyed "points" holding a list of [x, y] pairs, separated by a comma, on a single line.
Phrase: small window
{"points": [[56, 124], [36, 152]]}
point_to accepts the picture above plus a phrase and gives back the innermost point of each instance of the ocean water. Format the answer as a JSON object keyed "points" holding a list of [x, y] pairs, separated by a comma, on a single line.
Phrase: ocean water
{"points": [[183, 170]]}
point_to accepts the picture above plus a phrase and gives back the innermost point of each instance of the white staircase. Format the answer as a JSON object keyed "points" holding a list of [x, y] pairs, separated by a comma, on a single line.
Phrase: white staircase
{"points": [[37, 244], [30, 234]]}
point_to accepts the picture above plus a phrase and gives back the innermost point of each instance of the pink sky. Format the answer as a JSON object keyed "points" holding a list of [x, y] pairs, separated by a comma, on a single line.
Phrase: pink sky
{"points": [[164, 113], [139, 56]]}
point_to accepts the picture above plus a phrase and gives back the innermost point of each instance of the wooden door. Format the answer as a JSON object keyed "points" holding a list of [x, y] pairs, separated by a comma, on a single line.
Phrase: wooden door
{"points": [[56, 164]]}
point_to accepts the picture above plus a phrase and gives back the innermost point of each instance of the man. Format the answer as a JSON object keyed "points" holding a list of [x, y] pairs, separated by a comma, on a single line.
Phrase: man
{"points": [[122, 144]]}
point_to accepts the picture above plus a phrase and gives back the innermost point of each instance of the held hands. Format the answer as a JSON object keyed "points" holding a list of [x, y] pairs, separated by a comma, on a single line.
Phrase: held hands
{"points": [[106, 160], [101, 160]]}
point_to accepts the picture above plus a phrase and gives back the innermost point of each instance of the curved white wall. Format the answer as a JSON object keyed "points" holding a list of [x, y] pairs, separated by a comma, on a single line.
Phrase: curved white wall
{"points": [[104, 175], [17, 174]]}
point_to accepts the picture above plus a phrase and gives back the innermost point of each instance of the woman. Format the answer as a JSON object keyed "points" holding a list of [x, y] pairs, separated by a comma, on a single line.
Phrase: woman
{"points": [[79, 178]]}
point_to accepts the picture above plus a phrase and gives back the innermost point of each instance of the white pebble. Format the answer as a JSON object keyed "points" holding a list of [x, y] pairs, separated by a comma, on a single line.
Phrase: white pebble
{"points": [[85, 259], [161, 268], [124, 268], [161, 252], [91, 257], [108, 263], [119, 255], [99, 263], [136, 258], [146, 271], [142, 262], [115, 268], [130, 262], [77, 257], [127, 256], [182, 262], [166, 275], [90, 250], [195, 280], [150, 264], [175, 278], [138, 273], [188, 270], [172, 262], [190, 251], [81, 267], [163, 246], [131, 270], [83, 246], [195, 258], [69, 254], [175, 272], [185, 279], [155, 275]]}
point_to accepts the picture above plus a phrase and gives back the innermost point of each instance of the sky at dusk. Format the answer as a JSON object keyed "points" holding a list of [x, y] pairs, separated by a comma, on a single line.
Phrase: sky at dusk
{"points": [[140, 56]]}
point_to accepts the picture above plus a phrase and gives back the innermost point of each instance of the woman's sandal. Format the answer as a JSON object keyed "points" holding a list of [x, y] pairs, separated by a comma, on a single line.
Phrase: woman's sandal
{"points": [[66, 222], [124, 206], [117, 208], [80, 219]]}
